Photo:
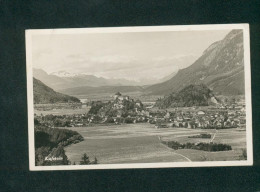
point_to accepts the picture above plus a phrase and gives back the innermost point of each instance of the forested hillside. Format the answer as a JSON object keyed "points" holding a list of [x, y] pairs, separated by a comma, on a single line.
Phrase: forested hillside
{"points": [[192, 95], [49, 143], [43, 94]]}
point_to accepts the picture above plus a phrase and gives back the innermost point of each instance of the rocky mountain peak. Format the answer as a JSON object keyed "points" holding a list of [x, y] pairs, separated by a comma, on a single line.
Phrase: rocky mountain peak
{"points": [[221, 68]]}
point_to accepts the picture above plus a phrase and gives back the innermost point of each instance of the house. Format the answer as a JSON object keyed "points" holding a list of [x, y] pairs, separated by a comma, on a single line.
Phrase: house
{"points": [[158, 126], [149, 107], [120, 98], [243, 109], [138, 103], [180, 119], [126, 98], [201, 113], [175, 124], [84, 106], [145, 113], [118, 106], [242, 120], [167, 115]]}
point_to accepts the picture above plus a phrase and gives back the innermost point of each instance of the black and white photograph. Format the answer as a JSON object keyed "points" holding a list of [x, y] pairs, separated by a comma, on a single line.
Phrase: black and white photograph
{"points": [[139, 97]]}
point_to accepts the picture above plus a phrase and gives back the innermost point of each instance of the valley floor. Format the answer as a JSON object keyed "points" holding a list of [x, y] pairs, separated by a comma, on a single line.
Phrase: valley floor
{"points": [[141, 143]]}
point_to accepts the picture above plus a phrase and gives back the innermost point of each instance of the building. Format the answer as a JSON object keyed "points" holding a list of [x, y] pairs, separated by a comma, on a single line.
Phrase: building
{"points": [[117, 95], [201, 113], [158, 126]]}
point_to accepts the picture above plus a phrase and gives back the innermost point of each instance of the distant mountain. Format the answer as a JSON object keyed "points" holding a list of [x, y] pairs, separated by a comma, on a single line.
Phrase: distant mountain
{"points": [[64, 74], [84, 90], [44, 94], [63, 80], [52, 81], [81, 79], [221, 68], [192, 95]]}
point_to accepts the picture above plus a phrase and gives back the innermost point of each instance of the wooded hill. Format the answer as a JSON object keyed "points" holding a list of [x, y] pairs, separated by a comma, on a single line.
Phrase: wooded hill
{"points": [[49, 142], [42, 94], [192, 95]]}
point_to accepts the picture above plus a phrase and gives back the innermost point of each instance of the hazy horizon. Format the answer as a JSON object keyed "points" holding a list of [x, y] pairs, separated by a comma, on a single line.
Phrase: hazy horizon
{"points": [[134, 56]]}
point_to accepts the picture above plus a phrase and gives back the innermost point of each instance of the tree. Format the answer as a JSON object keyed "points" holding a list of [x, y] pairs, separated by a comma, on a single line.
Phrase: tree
{"points": [[244, 155], [36, 121], [110, 120], [95, 161], [128, 120], [95, 108], [85, 160]]}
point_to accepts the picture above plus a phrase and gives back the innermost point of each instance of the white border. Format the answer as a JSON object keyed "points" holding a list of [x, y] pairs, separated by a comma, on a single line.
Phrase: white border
{"points": [[29, 67]]}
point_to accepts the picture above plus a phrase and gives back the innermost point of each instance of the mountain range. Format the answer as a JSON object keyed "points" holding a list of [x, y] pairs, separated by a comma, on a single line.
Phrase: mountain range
{"points": [[64, 80], [221, 68]]}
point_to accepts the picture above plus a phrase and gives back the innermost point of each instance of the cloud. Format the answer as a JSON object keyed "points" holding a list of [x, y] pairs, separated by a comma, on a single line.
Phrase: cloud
{"points": [[121, 55], [38, 53], [123, 66]]}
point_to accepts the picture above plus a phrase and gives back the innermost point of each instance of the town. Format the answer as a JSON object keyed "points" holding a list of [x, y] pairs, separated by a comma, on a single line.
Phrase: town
{"points": [[123, 109]]}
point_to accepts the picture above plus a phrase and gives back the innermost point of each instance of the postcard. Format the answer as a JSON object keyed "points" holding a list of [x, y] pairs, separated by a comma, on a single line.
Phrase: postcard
{"points": [[139, 97]]}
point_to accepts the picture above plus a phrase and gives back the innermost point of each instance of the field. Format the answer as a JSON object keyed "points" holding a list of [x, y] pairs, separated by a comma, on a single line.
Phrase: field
{"points": [[140, 143], [109, 96], [62, 111]]}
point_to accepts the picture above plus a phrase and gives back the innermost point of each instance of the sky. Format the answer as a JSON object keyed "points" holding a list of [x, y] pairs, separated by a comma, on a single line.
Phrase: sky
{"points": [[129, 55]]}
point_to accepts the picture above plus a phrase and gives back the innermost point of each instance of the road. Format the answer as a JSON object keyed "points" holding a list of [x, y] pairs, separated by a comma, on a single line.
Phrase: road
{"points": [[174, 151], [214, 136]]}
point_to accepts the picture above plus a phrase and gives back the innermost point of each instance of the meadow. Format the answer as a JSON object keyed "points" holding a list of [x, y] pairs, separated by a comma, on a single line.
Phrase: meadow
{"points": [[141, 143], [56, 111], [109, 96]]}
